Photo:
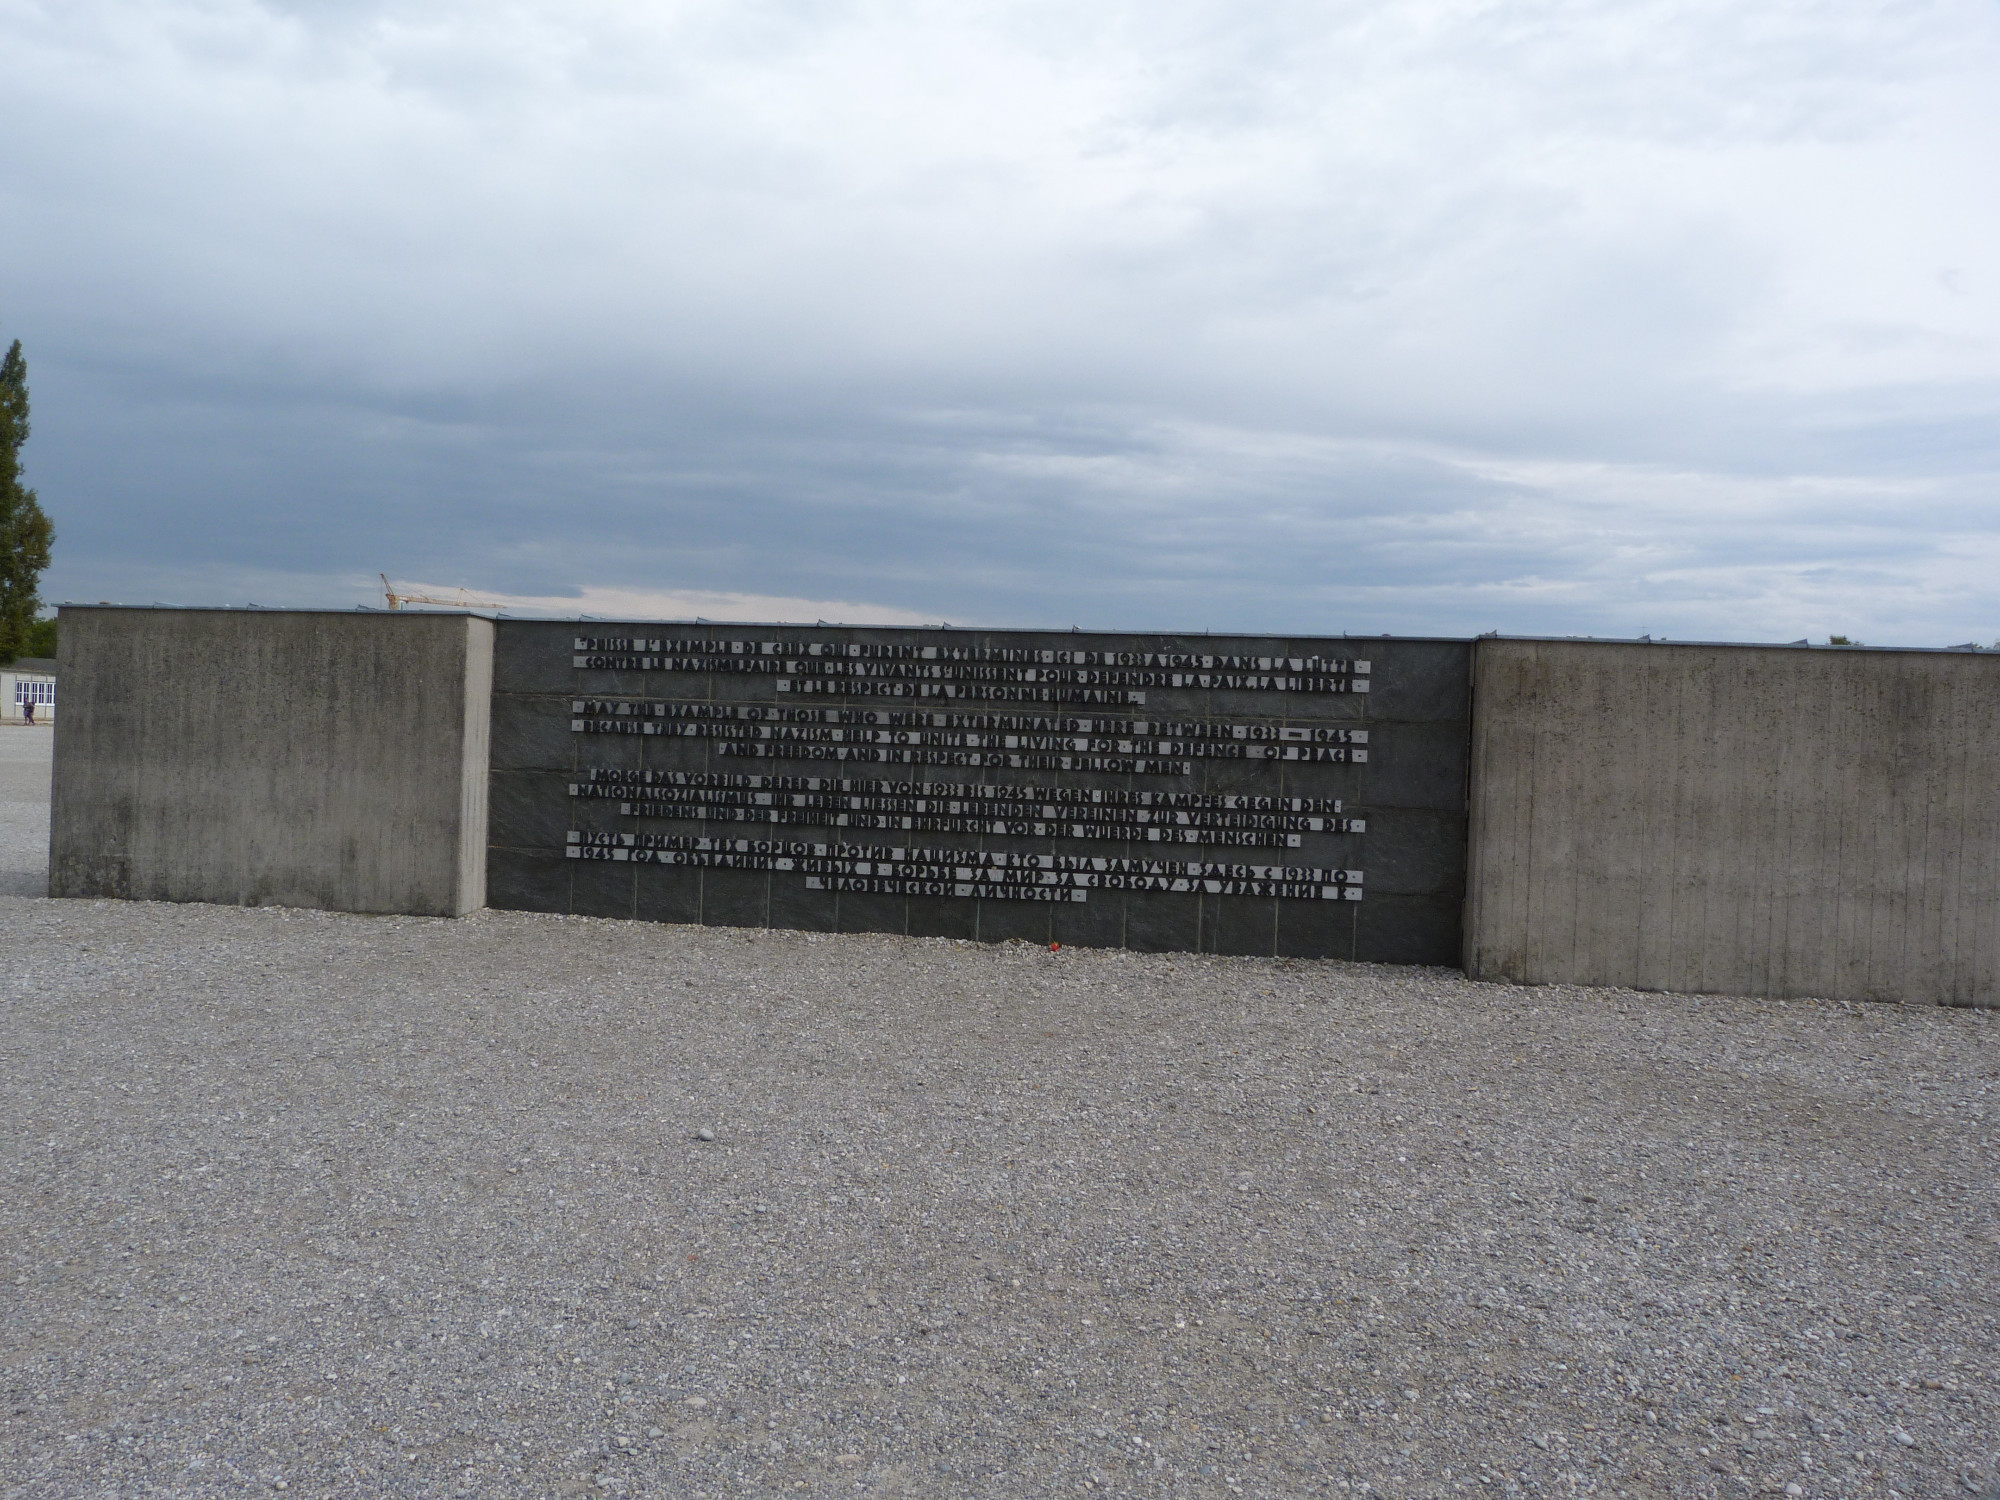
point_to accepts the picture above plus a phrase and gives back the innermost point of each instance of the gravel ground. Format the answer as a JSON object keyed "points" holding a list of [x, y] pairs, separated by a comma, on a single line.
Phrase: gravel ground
{"points": [[386, 1206], [24, 809]]}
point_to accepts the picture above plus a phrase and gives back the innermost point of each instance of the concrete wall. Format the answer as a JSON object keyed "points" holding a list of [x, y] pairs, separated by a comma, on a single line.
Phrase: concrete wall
{"points": [[258, 757], [1725, 819], [1737, 820]]}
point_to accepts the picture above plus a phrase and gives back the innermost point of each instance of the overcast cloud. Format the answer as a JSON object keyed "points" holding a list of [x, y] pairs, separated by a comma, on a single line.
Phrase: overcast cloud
{"points": [[1439, 317]]}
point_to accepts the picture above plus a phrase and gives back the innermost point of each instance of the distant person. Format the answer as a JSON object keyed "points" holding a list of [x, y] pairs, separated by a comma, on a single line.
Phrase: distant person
{"points": [[28, 708]]}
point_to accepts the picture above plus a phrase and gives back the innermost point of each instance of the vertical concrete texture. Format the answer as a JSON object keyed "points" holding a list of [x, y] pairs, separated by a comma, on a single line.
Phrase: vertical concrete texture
{"points": [[291, 758], [1736, 819]]}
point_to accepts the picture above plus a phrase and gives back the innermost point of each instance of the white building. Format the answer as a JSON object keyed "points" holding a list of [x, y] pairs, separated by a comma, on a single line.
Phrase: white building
{"points": [[32, 679]]}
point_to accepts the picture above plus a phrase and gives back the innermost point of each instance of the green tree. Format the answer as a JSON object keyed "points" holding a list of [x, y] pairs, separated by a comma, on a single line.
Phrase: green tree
{"points": [[25, 533]]}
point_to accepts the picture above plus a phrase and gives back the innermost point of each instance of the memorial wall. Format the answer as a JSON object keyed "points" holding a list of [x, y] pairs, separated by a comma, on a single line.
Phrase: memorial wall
{"points": [[1296, 797], [1768, 820]]}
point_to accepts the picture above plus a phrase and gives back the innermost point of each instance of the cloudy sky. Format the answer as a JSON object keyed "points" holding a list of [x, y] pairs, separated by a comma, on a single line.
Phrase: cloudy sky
{"points": [[1432, 316]]}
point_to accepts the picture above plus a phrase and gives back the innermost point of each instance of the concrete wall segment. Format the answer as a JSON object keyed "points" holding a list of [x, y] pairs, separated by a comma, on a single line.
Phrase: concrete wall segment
{"points": [[1730, 819], [474, 770], [319, 759]]}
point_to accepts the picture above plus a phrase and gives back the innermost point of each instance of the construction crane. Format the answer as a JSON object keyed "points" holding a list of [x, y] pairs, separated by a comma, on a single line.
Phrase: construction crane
{"points": [[397, 601]]}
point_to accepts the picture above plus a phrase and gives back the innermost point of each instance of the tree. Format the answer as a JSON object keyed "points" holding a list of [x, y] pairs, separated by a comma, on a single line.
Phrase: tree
{"points": [[25, 533]]}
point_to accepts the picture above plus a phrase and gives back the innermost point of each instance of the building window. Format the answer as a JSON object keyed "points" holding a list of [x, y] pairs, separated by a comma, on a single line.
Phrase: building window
{"points": [[37, 693]]}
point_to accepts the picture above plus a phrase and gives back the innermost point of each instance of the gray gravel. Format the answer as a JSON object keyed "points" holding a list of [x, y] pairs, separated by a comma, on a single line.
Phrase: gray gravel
{"points": [[24, 809], [387, 1206]]}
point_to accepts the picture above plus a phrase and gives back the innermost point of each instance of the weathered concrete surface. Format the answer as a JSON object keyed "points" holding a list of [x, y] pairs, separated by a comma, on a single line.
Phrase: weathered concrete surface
{"points": [[333, 760], [1737, 820]]}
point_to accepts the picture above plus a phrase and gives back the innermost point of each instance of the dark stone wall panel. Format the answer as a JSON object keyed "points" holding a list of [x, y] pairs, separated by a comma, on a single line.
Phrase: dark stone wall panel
{"points": [[944, 917], [670, 896], [796, 907], [733, 898], [1394, 756], [1414, 851], [531, 733], [1096, 923], [1394, 929], [1317, 929], [603, 889], [527, 880], [1164, 924], [860, 912]]}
